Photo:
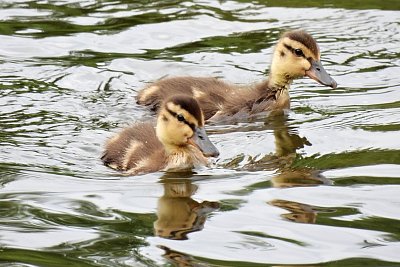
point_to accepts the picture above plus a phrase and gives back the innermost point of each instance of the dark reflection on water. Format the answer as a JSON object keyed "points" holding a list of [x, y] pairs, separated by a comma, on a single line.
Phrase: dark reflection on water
{"points": [[298, 212], [317, 186], [287, 142], [177, 213]]}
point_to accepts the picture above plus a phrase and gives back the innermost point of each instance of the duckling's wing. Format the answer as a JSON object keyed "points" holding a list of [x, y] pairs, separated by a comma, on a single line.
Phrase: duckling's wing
{"points": [[209, 92], [131, 147]]}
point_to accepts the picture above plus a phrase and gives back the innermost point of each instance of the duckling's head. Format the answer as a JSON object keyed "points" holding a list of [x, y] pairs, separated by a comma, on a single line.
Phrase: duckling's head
{"points": [[297, 55], [180, 123]]}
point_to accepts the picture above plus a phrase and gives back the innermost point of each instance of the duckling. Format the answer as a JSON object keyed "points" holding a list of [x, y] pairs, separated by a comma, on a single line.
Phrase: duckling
{"points": [[296, 55], [178, 141]]}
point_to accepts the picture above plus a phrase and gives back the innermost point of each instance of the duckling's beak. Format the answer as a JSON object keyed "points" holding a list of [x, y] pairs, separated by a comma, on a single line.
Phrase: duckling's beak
{"points": [[318, 73], [201, 141]]}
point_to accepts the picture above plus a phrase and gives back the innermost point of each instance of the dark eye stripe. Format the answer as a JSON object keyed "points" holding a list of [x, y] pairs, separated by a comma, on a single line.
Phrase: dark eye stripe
{"points": [[294, 50], [191, 125]]}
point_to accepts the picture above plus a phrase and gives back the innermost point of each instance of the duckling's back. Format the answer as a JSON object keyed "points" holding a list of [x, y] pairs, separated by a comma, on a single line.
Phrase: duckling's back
{"points": [[135, 149], [209, 92]]}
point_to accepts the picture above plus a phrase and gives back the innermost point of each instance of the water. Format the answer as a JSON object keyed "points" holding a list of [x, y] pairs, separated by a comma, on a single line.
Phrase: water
{"points": [[319, 187]]}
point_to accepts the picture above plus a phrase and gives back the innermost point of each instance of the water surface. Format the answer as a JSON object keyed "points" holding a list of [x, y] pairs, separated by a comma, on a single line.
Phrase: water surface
{"points": [[317, 187]]}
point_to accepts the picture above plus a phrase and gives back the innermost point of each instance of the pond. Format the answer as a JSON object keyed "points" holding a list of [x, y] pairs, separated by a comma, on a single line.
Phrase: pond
{"points": [[319, 186]]}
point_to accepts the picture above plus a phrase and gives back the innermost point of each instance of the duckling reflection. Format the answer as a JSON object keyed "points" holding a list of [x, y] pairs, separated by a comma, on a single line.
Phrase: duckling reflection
{"points": [[178, 214], [298, 212], [180, 259], [287, 142]]}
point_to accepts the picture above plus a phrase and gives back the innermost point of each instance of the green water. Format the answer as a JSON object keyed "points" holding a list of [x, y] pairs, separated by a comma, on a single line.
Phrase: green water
{"points": [[318, 187]]}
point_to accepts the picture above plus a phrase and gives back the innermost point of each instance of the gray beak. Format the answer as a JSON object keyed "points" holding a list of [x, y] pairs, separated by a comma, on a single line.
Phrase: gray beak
{"points": [[318, 73], [200, 140]]}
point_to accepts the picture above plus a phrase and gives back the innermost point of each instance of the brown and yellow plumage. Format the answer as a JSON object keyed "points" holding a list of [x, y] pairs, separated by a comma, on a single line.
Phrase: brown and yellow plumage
{"points": [[178, 141], [296, 55]]}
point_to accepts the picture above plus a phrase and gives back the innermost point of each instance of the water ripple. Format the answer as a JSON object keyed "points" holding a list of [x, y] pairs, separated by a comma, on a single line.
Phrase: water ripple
{"points": [[318, 185]]}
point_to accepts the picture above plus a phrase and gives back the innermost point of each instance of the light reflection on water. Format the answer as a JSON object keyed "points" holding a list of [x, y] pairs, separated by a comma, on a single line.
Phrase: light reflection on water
{"points": [[318, 186]]}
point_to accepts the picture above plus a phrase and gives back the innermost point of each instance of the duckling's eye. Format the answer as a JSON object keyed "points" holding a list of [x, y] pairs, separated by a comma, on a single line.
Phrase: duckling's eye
{"points": [[180, 117], [298, 52]]}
